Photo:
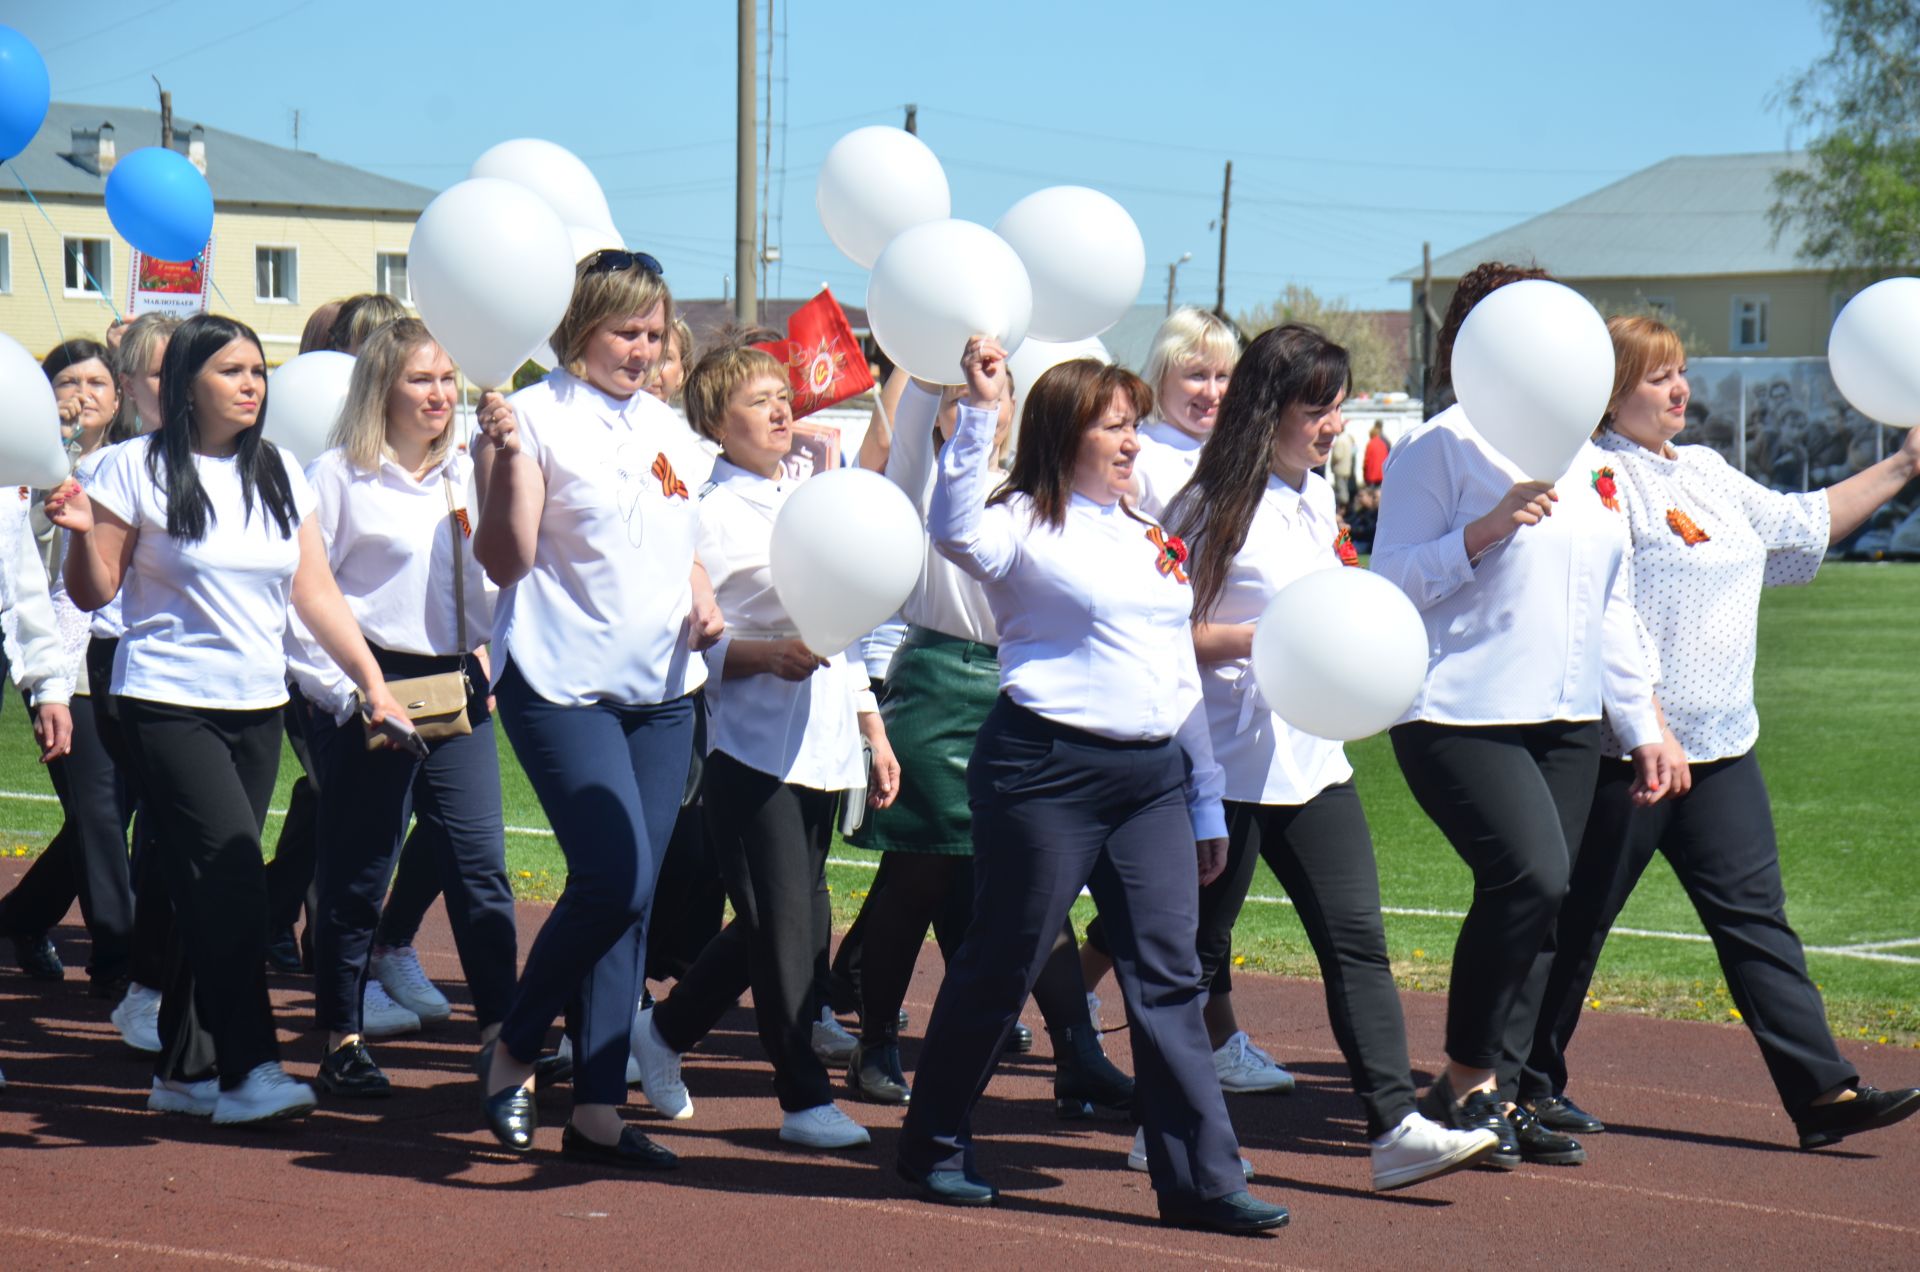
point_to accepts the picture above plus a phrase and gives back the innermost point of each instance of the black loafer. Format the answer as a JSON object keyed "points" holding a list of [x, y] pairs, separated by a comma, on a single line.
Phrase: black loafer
{"points": [[512, 1118], [1558, 1113], [951, 1187], [1480, 1111], [1868, 1110], [1541, 1144], [37, 957], [1020, 1041], [633, 1152], [350, 1071], [875, 1076], [551, 1070], [1238, 1212]]}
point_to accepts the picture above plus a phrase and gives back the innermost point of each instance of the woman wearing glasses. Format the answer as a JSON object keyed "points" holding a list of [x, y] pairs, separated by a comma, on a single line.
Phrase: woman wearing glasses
{"points": [[588, 528]]}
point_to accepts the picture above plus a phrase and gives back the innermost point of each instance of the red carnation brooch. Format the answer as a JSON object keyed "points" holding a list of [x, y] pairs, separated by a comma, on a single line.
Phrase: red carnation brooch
{"points": [[1344, 549], [1172, 553], [1603, 485], [1689, 531]]}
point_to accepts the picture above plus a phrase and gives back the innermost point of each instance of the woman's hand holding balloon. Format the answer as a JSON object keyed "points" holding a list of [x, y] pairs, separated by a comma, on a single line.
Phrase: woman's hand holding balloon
{"points": [[981, 362], [1526, 503], [497, 422]]}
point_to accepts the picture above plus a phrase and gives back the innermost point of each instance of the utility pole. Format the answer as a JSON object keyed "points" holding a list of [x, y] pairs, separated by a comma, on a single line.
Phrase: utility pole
{"points": [[1226, 197], [746, 309], [296, 130], [1173, 267], [913, 118], [1428, 322], [166, 114]]}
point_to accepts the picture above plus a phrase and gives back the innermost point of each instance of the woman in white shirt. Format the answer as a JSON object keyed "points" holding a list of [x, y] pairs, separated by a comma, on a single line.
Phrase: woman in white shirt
{"points": [[1258, 518], [1093, 768], [1524, 589], [1189, 366], [589, 530], [206, 524], [393, 514], [1706, 540], [785, 734]]}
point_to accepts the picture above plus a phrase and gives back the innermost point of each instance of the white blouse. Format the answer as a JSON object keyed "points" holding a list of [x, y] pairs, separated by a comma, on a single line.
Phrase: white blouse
{"points": [[1165, 463], [1706, 539], [39, 658], [803, 732], [1094, 633], [602, 615], [1542, 628], [946, 599], [1265, 759], [106, 621], [206, 620]]}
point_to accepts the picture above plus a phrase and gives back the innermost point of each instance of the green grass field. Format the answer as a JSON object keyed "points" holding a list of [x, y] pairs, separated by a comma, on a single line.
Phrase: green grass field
{"points": [[1840, 709]]}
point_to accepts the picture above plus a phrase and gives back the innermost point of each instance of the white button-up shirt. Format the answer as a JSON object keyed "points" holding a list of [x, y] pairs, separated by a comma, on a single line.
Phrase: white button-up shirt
{"points": [[1542, 628], [602, 615], [1697, 578], [1165, 463], [946, 599], [1265, 759], [806, 732], [41, 662], [1093, 634]]}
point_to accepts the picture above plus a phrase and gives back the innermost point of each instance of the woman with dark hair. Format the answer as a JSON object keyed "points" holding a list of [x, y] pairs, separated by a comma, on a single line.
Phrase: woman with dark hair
{"points": [[1093, 768], [205, 524], [1258, 518], [1525, 593]]}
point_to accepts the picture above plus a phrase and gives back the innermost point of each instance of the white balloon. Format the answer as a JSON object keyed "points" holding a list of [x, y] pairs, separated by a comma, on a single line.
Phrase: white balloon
{"points": [[31, 453], [588, 239], [492, 272], [1533, 368], [847, 549], [940, 283], [554, 173], [1084, 255], [1034, 358], [1874, 352], [875, 183], [1339, 653], [304, 397]]}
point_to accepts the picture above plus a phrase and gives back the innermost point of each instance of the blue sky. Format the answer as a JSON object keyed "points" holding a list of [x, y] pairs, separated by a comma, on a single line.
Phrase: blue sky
{"points": [[1356, 129]]}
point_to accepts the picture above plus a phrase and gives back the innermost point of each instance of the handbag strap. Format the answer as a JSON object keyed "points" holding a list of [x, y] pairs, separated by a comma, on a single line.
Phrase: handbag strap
{"points": [[459, 567]]}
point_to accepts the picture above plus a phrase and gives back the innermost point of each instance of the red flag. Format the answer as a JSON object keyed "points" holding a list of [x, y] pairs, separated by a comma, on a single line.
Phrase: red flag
{"points": [[824, 361]]}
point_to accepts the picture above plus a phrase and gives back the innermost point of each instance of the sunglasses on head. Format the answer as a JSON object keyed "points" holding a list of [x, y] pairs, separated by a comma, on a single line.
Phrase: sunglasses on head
{"points": [[614, 258]]}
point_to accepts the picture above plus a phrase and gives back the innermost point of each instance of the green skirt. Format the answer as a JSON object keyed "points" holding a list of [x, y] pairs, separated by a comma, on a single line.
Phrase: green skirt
{"points": [[939, 690]]}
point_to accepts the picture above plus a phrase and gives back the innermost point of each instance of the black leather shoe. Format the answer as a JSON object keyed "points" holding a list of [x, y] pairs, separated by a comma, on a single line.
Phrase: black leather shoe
{"points": [[1539, 1143], [1237, 1212], [512, 1118], [1020, 1041], [951, 1187], [634, 1151], [1868, 1110], [874, 1075], [283, 953], [1558, 1113], [1085, 1082], [551, 1070], [1480, 1111], [38, 958], [350, 1071]]}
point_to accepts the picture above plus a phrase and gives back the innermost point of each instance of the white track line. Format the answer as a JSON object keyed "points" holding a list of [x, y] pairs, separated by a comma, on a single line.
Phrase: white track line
{"points": [[120, 1245]]}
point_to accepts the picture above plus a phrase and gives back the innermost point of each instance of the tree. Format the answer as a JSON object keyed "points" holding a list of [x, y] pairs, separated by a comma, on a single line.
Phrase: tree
{"points": [[1856, 201], [1377, 364]]}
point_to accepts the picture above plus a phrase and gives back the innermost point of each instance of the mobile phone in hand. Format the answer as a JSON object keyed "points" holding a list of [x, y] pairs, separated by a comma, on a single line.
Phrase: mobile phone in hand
{"points": [[398, 733]]}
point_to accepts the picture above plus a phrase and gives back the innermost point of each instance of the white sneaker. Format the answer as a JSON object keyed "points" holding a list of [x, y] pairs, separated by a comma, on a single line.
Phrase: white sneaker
{"points": [[659, 1070], [565, 1052], [399, 973], [833, 1044], [1137, 1155], [1244, 1067], [381, 1017], [267, 1094], [823, 1126], [138, 1018], [1420, 1149], [195, 1099]]}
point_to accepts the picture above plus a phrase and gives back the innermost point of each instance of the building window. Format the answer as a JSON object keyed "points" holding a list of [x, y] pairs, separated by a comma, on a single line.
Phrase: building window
{"points": [[390, 276], [6, 262], [1662, 305], [1749, 324], [88, 263], [276, 275]]}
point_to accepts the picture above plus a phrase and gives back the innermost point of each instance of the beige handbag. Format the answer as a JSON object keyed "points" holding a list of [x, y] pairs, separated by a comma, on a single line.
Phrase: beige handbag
{"points": [[437, 704]]}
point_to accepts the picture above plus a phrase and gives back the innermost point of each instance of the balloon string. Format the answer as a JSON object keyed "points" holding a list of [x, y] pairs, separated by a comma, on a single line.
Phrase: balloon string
{"points": [[51, 307], [98, 289]]}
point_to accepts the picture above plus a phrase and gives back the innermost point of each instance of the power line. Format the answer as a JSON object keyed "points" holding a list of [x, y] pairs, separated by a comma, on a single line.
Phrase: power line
{"points": [[198, 48]]}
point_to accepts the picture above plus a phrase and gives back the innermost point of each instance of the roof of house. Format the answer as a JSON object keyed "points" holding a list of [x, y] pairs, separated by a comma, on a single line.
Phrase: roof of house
{"points": [[239, 169], [707, 319], [1692, 215]]}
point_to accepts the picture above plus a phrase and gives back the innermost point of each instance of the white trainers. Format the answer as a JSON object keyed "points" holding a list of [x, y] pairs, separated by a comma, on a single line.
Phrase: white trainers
{"points": [[195, 1099], [138, 1018], [1419, 1149], [659, 1070], [833, 1044], [267, 1094], [399, 973], [1137, 1155], [1244, 1067], [823, 1126], [381, 1017], [565, 1052]]}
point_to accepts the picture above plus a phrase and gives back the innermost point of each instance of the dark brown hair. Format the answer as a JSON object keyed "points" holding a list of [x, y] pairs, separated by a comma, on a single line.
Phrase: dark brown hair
{"points": [[1475, 286], [1062, 404]]}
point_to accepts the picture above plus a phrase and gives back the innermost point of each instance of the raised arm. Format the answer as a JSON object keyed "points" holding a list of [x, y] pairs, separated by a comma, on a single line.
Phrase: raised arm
{"points": [[99, 545], [958, 522], [512, 494], [876, 445], [910, 460], [1851, 502]]}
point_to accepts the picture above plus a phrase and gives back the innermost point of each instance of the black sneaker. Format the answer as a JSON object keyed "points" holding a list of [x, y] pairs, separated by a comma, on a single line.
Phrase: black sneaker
{"points": [[1480, 1111], [1868, 1110], [1543, 1144], [38, 958], [350, 1071]]}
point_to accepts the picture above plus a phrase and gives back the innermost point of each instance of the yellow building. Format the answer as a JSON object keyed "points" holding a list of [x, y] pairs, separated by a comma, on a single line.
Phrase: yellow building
{"points": [[290, 230]]}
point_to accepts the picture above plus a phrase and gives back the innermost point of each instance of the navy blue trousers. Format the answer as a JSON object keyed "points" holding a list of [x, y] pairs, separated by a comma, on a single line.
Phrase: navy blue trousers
{"points": [[1055, 809], [610, 778]]}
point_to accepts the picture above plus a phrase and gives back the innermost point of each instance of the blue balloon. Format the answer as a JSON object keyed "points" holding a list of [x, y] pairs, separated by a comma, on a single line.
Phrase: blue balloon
{"points": [[160, 203], [24, 92]]}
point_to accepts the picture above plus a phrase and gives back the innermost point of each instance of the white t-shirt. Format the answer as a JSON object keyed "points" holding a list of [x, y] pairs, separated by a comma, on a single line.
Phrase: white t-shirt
{"points": [[106, 622], [205, 621]]}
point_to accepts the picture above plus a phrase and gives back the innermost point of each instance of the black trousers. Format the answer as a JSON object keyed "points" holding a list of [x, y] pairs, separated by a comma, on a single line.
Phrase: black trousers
{"points": [[1055, 809], [1719, 840], [771, 839], [216, 769], [1512, 800], [152, 908], [290, 873]]}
